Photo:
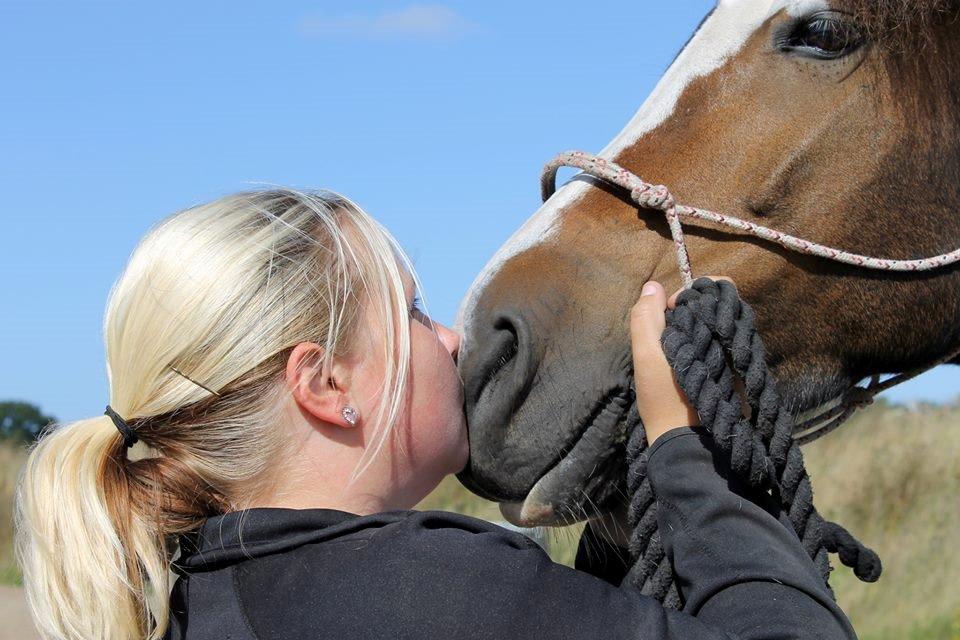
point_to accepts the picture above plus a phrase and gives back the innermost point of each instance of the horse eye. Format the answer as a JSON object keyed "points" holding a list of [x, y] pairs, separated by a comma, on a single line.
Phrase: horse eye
{"points": [[825, 36]]}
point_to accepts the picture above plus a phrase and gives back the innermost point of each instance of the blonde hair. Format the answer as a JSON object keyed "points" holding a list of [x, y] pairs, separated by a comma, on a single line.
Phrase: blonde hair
{"points": [[198, 329]]}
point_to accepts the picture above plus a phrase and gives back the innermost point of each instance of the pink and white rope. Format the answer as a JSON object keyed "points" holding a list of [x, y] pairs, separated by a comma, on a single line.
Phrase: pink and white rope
{"points": [[658, 197]]}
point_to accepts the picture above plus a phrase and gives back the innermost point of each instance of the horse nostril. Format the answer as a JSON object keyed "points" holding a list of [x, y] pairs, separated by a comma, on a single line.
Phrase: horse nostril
{"points": [[498, 366], [509, 345], [501, 347]]}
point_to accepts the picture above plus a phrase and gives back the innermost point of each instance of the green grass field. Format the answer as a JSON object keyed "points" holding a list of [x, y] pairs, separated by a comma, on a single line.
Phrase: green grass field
{"points": [[891, 476]]}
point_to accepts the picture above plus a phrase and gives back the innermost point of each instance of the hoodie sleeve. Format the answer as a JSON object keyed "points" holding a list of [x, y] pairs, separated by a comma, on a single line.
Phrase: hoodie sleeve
{"points": [[739, 564]]}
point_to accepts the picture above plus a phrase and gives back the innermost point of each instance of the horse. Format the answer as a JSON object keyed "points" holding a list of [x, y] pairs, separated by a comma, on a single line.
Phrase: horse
{"points": [[834, 120]]}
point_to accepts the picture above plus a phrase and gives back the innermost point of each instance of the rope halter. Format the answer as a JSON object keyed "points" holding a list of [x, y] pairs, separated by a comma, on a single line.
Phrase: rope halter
{"points": [[659, 198]]}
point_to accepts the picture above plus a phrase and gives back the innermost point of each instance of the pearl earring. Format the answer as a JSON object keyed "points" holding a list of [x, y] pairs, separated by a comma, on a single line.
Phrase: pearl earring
{"points": [[350, 415]]}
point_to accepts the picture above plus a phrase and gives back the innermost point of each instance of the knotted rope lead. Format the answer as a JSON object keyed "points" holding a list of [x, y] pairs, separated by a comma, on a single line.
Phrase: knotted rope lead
{"points": [[658, 197], [709, 325]]}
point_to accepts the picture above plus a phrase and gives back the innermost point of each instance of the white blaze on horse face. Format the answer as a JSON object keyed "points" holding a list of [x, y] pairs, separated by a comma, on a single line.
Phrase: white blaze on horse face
{"points": [[721, 36]]}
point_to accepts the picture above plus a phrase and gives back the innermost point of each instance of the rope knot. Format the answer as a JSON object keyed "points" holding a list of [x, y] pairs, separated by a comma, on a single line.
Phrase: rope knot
{"points": [[651, 196]]}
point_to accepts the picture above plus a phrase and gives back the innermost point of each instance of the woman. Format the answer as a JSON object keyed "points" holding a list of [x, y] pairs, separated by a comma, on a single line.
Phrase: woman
{"points": [[279, 403]]}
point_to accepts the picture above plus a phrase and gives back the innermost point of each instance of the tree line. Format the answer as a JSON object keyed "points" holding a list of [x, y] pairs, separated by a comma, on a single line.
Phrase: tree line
{"points": [[22, 422]]}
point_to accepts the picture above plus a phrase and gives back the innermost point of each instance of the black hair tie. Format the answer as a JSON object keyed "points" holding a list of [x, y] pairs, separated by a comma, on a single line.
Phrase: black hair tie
{"points": [[129, 436]]}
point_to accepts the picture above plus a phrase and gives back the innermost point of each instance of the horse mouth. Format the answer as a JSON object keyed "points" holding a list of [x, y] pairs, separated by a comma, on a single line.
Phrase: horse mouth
{"points": [[577, 484]]}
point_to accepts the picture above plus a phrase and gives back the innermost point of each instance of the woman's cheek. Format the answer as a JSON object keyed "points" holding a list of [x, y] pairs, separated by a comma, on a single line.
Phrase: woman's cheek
{"points": [[448, 429], [457, 427], [438, 417]]}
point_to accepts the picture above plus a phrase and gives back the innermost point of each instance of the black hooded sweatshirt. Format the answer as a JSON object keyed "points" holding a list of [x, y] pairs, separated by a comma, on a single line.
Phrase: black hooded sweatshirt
{"points": [[281, 574]]}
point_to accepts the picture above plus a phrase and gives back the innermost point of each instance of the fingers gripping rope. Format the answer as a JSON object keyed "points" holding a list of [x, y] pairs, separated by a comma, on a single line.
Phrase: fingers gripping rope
{"points": [[709, 324]]}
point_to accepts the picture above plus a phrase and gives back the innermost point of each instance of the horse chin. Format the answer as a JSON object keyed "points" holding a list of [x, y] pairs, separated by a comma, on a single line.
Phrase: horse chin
{"points": [[579, 485], [548, 504], [537, 509]]}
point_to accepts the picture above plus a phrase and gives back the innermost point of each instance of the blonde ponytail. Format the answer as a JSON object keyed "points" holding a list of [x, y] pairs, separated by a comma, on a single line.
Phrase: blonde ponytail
{"points": [[75, 513], [198, 330]]}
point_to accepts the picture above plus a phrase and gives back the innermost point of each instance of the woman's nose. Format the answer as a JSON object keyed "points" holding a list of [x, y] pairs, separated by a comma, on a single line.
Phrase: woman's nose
{"points": [[449, 338]]}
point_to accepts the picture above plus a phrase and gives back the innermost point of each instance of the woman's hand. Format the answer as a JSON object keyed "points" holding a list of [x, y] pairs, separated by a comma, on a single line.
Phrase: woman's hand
{"points": [[660, 401]]}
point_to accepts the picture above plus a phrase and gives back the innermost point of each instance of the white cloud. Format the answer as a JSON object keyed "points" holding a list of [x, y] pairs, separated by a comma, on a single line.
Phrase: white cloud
{"points": [[417, 21]]}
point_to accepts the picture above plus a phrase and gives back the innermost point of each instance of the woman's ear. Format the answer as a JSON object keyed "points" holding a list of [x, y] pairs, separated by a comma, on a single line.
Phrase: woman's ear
{"points": [[314, 387]]}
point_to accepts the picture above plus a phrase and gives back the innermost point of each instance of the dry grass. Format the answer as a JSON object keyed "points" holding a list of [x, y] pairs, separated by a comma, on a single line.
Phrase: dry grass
{"points": [[11, 459], [891, 476]]}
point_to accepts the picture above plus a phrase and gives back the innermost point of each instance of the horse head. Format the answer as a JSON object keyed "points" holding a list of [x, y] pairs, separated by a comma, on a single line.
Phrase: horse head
{"points": [[834, 120]]}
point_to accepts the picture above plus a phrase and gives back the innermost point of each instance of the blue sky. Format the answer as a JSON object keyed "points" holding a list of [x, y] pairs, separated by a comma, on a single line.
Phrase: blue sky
{"points": [[434, 117]]}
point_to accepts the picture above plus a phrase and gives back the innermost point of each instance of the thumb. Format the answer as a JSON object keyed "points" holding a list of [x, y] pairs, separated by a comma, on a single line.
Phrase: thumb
{"points": [[660, 401], [648, 320]]}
